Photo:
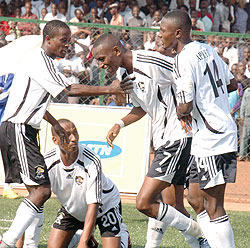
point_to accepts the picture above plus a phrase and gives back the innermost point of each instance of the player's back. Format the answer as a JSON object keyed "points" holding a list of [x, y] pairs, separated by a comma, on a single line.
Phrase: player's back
{"points": [[214, 130]]}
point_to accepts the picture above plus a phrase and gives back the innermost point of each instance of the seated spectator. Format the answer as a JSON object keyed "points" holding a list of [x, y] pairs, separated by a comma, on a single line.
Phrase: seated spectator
{"points": [[194, 13], [164, 10], [246, 54], [176, 4], [94, 17], [33, 8], [136, 37], [86, 13], [45, 5], [150, 43], [18, 12], [194, 24], [234, 69], [55, 15], [26, 28], [132, 4], [241, 17], [75, 4], [78, 18]]}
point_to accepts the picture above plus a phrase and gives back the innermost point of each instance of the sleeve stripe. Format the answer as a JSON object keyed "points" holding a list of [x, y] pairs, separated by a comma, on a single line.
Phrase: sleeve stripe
{"points": [[164, 62], [50, 153], [152, 62], [52, 70]]}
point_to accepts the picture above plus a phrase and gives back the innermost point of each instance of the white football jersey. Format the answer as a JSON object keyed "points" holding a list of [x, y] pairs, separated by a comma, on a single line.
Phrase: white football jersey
{"points": [[154, 91], [35, 81], [81, 183], [202, 77]]}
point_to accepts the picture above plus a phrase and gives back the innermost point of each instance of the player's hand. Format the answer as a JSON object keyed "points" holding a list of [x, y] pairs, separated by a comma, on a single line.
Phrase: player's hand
{"points": [[64, 137], [112, 134], [119, 87], [92, 243], [186, 123]]}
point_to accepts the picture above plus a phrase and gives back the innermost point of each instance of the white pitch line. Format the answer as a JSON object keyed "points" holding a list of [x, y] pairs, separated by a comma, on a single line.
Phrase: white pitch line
{"points": [[6, 220]]}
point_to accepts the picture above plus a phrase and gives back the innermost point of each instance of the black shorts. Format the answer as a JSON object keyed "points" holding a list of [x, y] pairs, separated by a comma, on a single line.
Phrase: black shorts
{"points": [[109, 223], [171, 162], [23, 162], [213, 170]]}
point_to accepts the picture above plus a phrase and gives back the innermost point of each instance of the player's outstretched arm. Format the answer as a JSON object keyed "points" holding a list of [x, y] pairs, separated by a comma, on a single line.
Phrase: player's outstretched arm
{"points": [[135, 114], [88, 90], [89, 225], [57, 127]]}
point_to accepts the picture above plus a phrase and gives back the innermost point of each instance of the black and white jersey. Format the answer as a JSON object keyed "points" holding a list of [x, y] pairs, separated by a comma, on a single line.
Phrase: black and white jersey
{"points": [[202, 77], [35, 81], [154, 91], [82, 183]]}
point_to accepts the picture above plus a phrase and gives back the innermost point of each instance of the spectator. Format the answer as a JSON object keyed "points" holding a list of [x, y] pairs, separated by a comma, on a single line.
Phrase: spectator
{"points": [[86, 13], [241, 17], [34, 9], [200, 25], [76, 4], [18, 12], [247, 9], [117, 18], [146, 8], [44, 12], [206, 20], [14, 30], [246, 54], [247, 72], [194, 24], [205, 4], [47, 5], [123, 10], [176, 4], [245, 119], [4, 26], [132, 4], [94, 17], [26, 28], [150, 43], [54, 15], [234, 69], [150, 16], [136, 37], [230, 52], [216, 15], [78, 18], [164, 10], [156, 19], [227, 14]]}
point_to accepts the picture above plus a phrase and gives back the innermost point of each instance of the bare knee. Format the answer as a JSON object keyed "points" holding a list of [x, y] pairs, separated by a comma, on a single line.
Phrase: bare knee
{"points": [[39, 194], [197, 203], [142, 204]]}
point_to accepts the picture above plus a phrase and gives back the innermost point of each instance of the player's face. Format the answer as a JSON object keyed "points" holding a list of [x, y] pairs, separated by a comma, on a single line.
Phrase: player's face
{"points": [[108, 58], [59, 44], [71, 130], [167, 33]]}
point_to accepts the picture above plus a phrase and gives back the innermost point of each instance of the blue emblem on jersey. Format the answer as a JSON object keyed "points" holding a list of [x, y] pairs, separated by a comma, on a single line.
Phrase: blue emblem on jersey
{"points": [[102, 148]]}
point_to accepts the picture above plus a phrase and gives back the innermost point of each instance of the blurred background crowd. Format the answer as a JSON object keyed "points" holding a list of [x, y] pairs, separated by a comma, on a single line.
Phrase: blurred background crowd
{"points": [[206, 16]]}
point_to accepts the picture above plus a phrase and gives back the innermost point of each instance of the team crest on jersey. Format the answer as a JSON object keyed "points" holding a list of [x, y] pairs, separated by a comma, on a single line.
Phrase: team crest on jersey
{"points": [[39, 172], [79, 180], [59, 218], [141, 86]]}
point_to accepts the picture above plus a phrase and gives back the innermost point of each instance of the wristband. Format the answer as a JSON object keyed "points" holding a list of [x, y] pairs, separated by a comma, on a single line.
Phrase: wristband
{"points": [[120, 123]]}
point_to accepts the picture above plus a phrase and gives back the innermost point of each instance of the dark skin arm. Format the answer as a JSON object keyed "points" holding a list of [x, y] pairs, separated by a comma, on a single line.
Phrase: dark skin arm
{"points": [[183, 113], [87, 90], [232, 86]]}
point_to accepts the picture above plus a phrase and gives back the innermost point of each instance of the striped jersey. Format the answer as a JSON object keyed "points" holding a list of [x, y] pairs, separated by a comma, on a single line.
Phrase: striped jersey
{"points": [[202, 77], [35, 81], [154, 91], [82, 183]]}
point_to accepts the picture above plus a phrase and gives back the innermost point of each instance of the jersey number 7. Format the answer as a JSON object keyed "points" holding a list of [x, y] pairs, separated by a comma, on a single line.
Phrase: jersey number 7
{"points": [[214, 78]]}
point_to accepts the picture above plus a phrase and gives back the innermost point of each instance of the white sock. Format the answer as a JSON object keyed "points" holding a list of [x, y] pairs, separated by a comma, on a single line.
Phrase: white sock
{"points": [[176, 219], [222, 232], [204, 222], [155, 232], [32, 233], [124, 235], [25, 214], [191, 240], [76, 238]]}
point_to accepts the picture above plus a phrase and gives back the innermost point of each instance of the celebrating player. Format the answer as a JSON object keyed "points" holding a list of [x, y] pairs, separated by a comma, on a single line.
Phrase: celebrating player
{"points": [[203, 82], [86, 195], [33, 84], [153, 93]]}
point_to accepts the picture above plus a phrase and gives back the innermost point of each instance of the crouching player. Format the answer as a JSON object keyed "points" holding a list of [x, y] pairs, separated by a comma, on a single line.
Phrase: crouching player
{"points": [[87, 196]]}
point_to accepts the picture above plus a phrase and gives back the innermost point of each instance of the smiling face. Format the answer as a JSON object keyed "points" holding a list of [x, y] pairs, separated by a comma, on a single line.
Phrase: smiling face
{"points": [[108, 58], [57, 46], [72, 132]]}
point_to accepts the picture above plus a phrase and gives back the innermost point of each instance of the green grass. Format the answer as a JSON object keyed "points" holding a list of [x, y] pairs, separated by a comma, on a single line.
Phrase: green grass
{"points": [[137, 224]]}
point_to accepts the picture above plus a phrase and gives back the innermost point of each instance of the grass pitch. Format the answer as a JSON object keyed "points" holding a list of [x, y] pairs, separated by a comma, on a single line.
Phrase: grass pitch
{"points": [[136, 222]]}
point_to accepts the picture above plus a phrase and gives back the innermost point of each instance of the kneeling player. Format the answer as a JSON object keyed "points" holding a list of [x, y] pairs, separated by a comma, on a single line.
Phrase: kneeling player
{"points": [[86, 195]]}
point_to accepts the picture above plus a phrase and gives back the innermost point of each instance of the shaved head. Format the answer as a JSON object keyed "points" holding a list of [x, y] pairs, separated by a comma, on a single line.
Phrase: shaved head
{"points": [[108, 40], [180, 19], [61, 122]]}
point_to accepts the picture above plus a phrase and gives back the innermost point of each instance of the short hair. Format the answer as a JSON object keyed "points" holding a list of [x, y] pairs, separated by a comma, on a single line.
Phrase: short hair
{"points": [[107, 39], [60, 121], [180, 19], [52, 27]]}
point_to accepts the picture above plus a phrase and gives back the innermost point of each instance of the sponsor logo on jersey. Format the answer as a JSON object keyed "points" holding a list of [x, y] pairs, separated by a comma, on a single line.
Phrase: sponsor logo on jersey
{"points": [[102, 148], [156, 229], [39, 172], [79, 180], [69, 176]]}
